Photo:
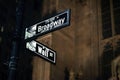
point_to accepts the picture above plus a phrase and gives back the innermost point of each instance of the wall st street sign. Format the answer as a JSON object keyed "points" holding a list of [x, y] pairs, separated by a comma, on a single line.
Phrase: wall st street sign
{"points": [[59, 21], [54, 23], [41, 50]]}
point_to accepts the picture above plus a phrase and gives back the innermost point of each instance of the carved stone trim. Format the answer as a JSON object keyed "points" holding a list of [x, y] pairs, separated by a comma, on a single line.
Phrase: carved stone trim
{"points": [[105, 43], [115, 64]]}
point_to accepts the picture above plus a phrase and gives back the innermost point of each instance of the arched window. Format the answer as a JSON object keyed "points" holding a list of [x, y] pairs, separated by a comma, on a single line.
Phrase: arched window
{"points": [[106, 19], [116, 11], [106, 60], [110, 13]]}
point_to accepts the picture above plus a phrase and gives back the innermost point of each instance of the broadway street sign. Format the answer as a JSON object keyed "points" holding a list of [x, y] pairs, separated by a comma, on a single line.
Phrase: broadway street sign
{"points": [[42, 50], [54, 23]]}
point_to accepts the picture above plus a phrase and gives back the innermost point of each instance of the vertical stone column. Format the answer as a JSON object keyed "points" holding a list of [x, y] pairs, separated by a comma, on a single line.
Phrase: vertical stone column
{"points": [[41, 67], [71, 77]]}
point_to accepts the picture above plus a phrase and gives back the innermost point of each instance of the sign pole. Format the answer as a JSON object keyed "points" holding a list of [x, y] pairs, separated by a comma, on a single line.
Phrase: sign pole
{"points": [[16, 41]]}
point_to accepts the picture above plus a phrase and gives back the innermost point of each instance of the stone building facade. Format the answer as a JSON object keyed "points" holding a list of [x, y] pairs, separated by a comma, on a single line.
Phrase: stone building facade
{"points": [[86, 50], [77, 46]]}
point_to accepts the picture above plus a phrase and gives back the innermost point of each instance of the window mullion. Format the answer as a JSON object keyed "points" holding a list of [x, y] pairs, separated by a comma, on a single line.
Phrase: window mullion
{"points": [[112, 17]]}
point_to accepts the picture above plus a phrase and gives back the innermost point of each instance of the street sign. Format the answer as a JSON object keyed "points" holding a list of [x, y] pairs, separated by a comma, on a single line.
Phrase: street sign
{"points": [[59, 21], [54, 23], [42, 50]]}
